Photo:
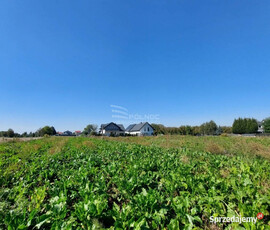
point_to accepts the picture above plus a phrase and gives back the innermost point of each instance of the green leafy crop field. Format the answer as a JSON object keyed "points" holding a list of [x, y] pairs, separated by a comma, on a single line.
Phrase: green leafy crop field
{"points": [[226, 145], [91, 183]]}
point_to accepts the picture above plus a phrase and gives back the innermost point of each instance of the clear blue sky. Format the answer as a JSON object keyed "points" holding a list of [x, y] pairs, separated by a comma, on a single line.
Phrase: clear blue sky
{"points": [[63, 63]]}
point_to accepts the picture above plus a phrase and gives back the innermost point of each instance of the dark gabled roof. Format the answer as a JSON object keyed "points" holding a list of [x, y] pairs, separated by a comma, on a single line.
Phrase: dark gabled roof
{"points": [[130, 127], [67, 131], [120, 126], [102, 126], [138, 127]]}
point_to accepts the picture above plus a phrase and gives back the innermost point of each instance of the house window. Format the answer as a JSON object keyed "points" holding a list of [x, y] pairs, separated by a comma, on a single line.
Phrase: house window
{"points": [[144, 129], [148, 129]]}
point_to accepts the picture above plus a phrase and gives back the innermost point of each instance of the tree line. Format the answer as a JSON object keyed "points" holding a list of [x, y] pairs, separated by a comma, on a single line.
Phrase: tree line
{"points": [[49, 130], [240, 126], [207, 128], [245, 126], [90, 129], [9, 133]]}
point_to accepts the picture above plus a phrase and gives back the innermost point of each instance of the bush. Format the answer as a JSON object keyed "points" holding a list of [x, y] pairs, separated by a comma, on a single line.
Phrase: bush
{"points": [[215, 148]]}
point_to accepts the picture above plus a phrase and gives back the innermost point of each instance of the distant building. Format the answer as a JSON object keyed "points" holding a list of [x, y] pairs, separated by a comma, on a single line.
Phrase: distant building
{"points": [[260, 126], [141, 129], [112, 129], [67, 133], [78, 133]]}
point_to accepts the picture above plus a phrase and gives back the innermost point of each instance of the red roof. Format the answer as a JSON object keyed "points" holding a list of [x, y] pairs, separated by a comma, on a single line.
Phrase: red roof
{"points": [[77, 131]]}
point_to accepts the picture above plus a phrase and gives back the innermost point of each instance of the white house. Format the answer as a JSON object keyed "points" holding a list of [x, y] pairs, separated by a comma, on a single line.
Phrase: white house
{"points": [[141, 129], [112, 129], [260, 126]]}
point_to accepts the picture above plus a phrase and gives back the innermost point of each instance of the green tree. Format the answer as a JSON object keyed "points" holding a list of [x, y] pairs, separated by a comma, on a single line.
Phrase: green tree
{"points": [[38, 133], [10, 133], [196, 130], [3, 134], [245, 125], [159, 129], [226, 129], [266, 125], [182, 130], [189, 130], [53, 131], [209, 128], [252, 126], [90, 129], [46, 130], [238, 127], [202, 129]]}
